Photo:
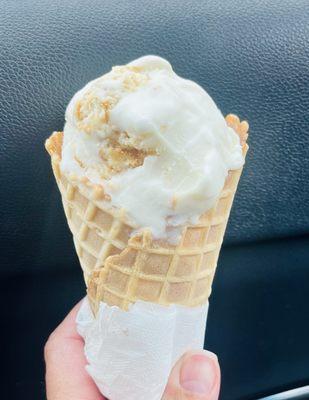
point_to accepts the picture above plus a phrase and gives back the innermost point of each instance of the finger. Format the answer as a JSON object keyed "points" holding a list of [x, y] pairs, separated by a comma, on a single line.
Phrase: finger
{"points": [[195, 376], [66, 377]]}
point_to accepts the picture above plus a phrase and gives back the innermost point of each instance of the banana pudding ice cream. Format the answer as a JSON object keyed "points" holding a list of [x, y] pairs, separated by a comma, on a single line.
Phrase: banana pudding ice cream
{"points": [[155, 142], [147, 168]]}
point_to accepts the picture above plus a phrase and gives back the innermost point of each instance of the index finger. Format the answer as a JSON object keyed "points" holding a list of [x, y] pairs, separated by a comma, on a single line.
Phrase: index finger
{"points": [[66, 376]]}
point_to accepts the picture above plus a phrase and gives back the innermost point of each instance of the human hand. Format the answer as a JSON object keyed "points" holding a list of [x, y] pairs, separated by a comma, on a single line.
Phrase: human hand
{"points": [[195, 376]]}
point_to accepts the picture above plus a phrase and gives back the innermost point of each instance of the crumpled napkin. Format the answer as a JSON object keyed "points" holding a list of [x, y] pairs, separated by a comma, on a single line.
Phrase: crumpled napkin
{"points": [[130, 353]]}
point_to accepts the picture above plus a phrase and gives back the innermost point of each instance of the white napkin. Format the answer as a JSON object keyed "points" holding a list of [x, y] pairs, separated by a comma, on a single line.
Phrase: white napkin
{"points": [[130, 353]]}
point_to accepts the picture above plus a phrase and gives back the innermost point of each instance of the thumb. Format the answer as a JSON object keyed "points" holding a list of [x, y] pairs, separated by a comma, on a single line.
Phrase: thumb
{"points": [[195, 376]]}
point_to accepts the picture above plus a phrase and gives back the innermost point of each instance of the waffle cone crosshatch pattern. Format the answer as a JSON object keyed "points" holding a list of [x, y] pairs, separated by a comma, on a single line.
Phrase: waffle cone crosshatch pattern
{"points": [[121, 267]]}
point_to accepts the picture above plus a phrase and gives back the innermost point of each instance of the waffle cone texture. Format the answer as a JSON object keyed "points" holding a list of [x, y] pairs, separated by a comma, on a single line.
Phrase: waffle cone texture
{"points": [[121, 267]]}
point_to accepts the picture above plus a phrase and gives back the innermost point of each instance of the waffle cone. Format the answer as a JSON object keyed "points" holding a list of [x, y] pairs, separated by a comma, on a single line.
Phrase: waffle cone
{"points": [[121, 267]]}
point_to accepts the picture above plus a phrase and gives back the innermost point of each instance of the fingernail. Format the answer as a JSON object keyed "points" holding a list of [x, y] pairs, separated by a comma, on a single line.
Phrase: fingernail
{"points": [[198, 374]]}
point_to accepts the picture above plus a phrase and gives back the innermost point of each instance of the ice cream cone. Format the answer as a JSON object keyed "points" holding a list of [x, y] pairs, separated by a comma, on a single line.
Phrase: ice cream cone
{"points": [[121, 267]]}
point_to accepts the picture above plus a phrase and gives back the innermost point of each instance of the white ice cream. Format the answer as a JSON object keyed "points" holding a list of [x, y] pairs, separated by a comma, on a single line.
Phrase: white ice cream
{"points": [[187, 148]]}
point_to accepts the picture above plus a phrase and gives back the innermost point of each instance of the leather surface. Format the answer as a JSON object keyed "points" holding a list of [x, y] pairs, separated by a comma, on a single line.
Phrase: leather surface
{"points": [[251, 56]]}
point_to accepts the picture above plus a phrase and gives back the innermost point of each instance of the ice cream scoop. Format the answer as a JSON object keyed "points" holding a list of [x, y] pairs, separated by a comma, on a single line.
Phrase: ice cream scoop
{"points": [[155, 142]]}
